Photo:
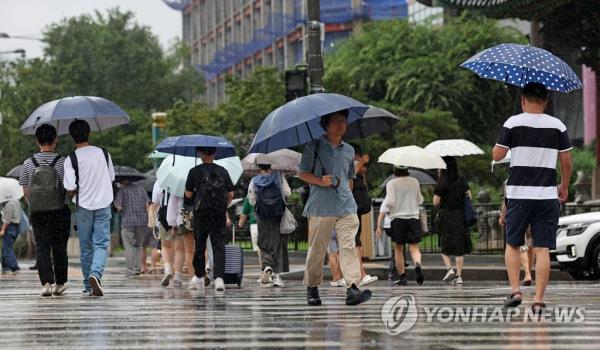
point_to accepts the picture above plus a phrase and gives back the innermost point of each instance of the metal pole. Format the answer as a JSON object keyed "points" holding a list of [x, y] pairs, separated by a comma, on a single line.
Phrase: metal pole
{"points": [[314, 55]]}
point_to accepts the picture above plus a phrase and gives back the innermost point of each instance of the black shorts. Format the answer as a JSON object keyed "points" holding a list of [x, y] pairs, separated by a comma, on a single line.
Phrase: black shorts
{"points": [[405, 231], [541, 215]]}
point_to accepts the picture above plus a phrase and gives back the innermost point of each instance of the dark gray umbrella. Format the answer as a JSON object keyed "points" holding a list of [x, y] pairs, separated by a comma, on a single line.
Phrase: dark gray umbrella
{"points": [[148, 182], [375, 121], [423, 177], [15, 172], [127, 173]]}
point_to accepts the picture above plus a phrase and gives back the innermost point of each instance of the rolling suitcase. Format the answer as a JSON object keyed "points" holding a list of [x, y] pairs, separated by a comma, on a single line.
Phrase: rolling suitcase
{"points": [[234, 265]]}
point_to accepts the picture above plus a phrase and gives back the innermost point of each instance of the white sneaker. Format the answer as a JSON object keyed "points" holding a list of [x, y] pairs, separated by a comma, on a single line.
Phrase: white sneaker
{"points": [[266, 276], [219, 285], [340, 283], [449, 276], [368, 279], [46, 290], [59, 289], [277, 282], [196, 283], [458, 280]]}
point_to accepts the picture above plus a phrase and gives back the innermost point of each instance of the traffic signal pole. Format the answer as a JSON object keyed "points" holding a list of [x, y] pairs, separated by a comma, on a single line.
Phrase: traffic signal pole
{"points": [[314, 54]]}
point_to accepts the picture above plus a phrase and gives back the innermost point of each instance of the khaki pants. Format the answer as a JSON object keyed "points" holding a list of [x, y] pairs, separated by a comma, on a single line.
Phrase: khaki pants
{"points": [[320, 227]]}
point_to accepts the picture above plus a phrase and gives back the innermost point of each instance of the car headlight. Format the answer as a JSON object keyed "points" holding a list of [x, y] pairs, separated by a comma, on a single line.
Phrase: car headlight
{"points": [[576, 229]]}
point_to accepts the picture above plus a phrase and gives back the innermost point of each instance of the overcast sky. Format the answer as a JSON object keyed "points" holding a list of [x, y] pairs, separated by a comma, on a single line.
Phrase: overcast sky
{"points": [[30, 17]]}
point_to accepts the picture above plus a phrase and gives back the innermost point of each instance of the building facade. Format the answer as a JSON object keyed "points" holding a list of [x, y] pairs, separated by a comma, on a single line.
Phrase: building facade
{"points": [[234, 37]]}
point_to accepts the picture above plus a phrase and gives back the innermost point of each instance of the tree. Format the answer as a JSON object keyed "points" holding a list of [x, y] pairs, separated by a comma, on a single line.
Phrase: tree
{"points": [[416, 67], [106, 55]]}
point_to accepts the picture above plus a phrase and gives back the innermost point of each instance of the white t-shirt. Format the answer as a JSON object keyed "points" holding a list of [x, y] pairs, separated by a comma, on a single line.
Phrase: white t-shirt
{"points": [[95, 178], [174, 205], [403, 198], [387, 222]]}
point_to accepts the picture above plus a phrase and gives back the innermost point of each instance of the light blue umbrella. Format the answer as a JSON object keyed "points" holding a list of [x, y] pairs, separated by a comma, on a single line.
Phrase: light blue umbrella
{"points": [[158, 155], [187, 145], [99, 112], [173, 171], [521, 64], [298, 122]]}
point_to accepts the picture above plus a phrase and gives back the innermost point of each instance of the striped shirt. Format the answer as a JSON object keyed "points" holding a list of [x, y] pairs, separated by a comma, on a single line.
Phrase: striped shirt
{"points": [[534, 141], [43, 158]]}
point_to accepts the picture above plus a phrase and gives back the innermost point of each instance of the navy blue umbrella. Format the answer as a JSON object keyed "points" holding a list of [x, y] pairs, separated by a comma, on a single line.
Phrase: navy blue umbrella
{"points": [[521, 64], [187, 145], [298, 122], [99, 112]]}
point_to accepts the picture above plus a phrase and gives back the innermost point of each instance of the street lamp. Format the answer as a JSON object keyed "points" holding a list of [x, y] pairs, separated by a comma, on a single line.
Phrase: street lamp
{"points": [[24, 37]]}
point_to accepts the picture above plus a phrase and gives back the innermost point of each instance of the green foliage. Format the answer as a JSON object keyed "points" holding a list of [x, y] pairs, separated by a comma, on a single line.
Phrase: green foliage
{"points": [[107, 55], [416, 68]]}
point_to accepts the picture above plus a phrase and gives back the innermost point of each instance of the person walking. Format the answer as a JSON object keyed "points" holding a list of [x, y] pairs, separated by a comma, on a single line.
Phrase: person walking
{"points": [[42, 180], [403, 199], [449, 197], [209, 191], [267, 192], [131, 202], [536, 141], [248, 215], [89, 174], [9, 231], [363, 204], [327, 165]]}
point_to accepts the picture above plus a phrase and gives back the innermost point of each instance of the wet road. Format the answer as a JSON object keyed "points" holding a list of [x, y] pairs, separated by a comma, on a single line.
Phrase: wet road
{"points": [[139, 314]]}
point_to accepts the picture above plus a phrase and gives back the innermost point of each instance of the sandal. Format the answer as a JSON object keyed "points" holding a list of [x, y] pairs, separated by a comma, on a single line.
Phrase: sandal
{"points": [[538, 308], [514, 299], [526, 283]]}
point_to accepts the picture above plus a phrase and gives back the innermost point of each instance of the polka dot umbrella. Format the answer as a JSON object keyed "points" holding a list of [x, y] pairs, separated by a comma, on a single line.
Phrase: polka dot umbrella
{"points": [[521, 64]]}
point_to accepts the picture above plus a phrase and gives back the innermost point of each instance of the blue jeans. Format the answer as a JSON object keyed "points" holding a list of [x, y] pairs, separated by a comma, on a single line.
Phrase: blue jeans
{"points": [[9, 259], [93, 227]]}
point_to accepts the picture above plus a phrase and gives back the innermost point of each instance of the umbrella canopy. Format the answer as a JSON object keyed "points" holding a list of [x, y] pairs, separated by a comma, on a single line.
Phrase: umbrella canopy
{"points": [[282, 160], [413, 157], [148, 182], [375, 121], [423, 177], [298, 122], [10, 190], [123, 172], [99, 112], [172, 175], [454, 148], [187, 145], [15, 172], [506, 160], [521, 64], [158, 155]]}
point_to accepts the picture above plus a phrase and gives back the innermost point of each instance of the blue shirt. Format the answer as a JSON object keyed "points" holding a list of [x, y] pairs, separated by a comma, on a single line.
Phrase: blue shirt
{"points": [[338, 161]]}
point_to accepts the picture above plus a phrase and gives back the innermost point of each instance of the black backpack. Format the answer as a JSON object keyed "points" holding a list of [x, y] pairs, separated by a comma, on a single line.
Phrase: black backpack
{"points": [[75, 165], [361, 195], [211, 195], [162, 211], [46, 192], [269, 201]]}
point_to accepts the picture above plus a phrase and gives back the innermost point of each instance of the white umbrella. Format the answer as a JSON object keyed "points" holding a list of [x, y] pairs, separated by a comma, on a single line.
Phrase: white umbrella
{"points": [[10, 190], [173, 177], [412, 156], [282, 160], [503, 161], [454, 148]]}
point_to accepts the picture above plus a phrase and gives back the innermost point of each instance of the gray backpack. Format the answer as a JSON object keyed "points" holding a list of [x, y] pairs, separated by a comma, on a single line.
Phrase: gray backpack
{"points": [[46, 192]]}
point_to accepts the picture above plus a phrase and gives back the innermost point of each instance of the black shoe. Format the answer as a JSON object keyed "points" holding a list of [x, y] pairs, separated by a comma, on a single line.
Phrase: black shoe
{"points": [[355, 296], [96, 287], [402, 280], [33, 267], [513, 300], [312, 296], [419, 274]]}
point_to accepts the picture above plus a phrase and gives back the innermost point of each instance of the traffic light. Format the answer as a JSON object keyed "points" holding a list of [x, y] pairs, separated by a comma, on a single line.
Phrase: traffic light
{"points": [[295, 83]]}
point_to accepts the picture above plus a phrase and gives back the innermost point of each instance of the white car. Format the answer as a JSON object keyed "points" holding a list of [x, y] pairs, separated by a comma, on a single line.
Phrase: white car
{"points": [[578, 245]]}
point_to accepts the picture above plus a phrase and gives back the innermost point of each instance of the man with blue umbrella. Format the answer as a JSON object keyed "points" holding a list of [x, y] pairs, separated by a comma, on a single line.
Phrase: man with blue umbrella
{"points": [[535, 140], [328, 166]]}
